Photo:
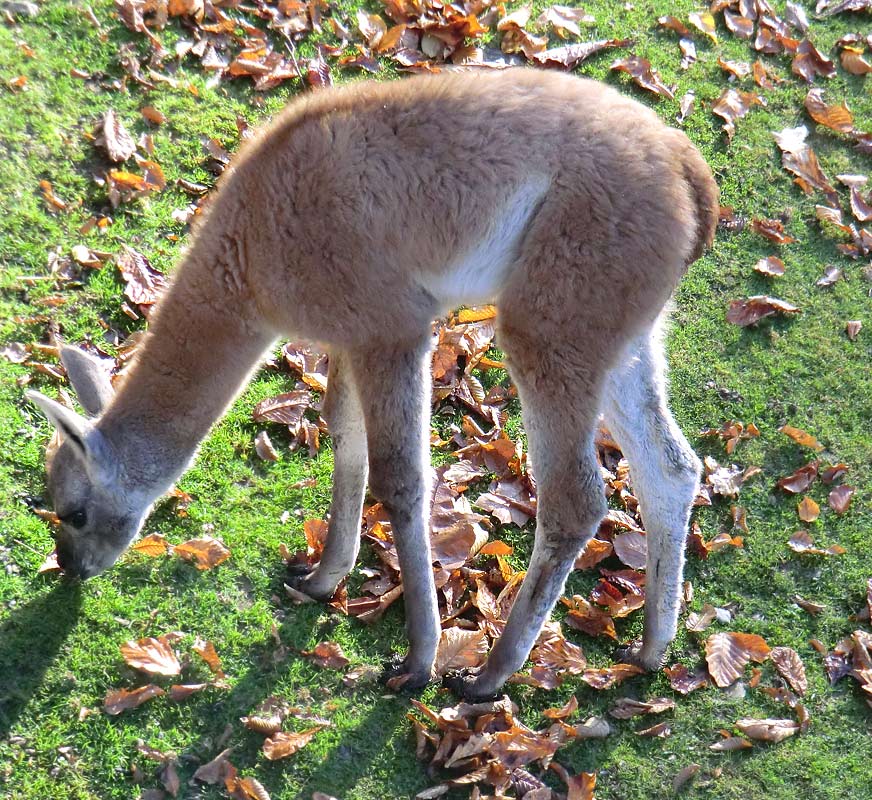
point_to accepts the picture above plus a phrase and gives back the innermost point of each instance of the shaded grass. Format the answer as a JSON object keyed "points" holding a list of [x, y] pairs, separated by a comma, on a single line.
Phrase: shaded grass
{"points": [[59, 644]]}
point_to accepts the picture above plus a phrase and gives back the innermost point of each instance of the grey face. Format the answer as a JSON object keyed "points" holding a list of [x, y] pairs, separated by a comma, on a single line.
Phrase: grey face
{"points": [[97, 524]]}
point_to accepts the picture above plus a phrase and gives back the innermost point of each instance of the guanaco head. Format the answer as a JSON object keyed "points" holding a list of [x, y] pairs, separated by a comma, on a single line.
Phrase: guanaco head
{"points": [[99, 515]]}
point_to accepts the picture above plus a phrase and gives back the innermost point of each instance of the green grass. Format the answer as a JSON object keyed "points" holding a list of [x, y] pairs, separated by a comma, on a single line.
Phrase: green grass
{"points": [[59, 644]]}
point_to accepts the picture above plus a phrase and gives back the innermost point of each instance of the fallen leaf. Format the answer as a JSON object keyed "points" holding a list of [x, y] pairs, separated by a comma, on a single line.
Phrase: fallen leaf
{"points": [[771, 265], [684, 776], [730, 744], [801, 437], [801, 542], [683, 680], [632, 548], [153, 656], [121, 700], [264, 447], [460, 648], [840, 498], [797, 157], [789, 664], [734, 104], [728, 653], [808, 510], [640, 70], [218, 770], [853, 328], [767, 730], [853, 61], [206, 651], [204, 552], [567, 710], [573, 54], [809, 63], [837, 117], [153, 545], [771, 229], [704, 21], [114, 138], [608, 677], [627, 707], [284, 744], [327, 655], [181, 691], [800, 480], [751, 310]]}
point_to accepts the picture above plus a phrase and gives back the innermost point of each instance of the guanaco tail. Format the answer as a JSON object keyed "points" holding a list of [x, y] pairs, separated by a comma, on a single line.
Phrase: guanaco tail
{"points": [[356, 218]]}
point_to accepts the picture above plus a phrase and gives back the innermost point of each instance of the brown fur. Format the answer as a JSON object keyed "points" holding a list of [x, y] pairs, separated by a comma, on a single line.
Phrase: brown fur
{"points": [[354, 219]]}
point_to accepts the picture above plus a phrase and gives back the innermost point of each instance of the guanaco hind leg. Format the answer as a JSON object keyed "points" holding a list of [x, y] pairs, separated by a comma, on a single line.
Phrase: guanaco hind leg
{"points": [[344, 416], [665, 474]]}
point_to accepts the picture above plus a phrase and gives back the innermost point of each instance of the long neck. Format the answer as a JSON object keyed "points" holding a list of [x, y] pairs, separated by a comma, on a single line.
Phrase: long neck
{"points": [[205, 339]]}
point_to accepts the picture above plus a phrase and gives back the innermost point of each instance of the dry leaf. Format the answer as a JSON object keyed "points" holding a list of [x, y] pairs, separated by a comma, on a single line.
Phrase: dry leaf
{"points": [[751, 310], [152, 656], [610, 676], [327, 655], [809, 62], [181, 691], [767, 730], [801, 542], [800, 480], [684, 776], [204, 552], [114, 138], [683, 680], [853, 328], [837, 118], [801, 437], [121, 700], [460, 648], [789, 664], [730, 744], [627, 707], [808, 510], [217, 770], [284, 744], [206, 651], [573, 54], [144, 283], [728, 653], [771, 265], [153, 545], [704, 22], [733, 104], [567, 710], [840, 498], [643, 74], [771, 229]]}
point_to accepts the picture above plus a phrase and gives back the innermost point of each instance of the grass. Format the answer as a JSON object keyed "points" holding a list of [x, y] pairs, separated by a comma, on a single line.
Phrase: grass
{"points": [[59, 644]]}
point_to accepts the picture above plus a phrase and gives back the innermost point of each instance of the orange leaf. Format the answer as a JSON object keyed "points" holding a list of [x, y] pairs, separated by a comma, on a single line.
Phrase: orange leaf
{"points": [[459, 648], [150, 655], [121, 700], [328, 655], [808, 510], [728, 653], [153, 545], [789, 664], [801, 437], [284, 744], [206, 651], [204, 552], [496, 548]]}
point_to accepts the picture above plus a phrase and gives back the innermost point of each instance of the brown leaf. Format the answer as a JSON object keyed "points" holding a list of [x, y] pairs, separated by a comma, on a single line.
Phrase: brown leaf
{"points": [[807, 605], [698, 622], [833, 473], [206, 651], [801, 437], [771, 229], [853, 61], [684, 775], [567, 710], [327, 655], [627, 707], [181, 691], [152, 115], [789, 664], [573, 54], [114, 138], [121, 700], [152, 656], [767, 730], [594, 551], [704, 21], [264, 447], [800, 480], [808, 510], [284, 744], [837, 118], [797, 157], [610, 676], [153, 545], [579, 787], [739, 26], [728, 653], [683, 680], [252, 789], [729, 744], [640, 70], [753, 309], [771, 265], [144, 283], [840, 498], [460, 648], [809, 62], [218, 770], [739, 69], [204, 552], [801, 542], [584, 616], [733, 104], [287, 408], [632, 548], [50, 564]]}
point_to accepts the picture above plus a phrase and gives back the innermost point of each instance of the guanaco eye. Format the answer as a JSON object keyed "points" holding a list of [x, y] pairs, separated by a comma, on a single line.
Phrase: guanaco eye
{"points": [[78, 519]]}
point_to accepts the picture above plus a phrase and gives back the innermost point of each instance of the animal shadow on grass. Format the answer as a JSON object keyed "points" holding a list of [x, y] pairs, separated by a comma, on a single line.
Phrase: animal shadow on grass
{"points": [[30, 639]]}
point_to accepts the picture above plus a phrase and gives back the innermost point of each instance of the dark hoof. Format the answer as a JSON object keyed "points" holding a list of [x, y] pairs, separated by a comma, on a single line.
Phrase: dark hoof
{"points": [[300, 578], [465, 684], [398, 678], [632, 653]]}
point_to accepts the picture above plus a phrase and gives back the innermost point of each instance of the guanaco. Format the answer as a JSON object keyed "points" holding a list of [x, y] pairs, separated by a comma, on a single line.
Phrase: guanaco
{"points": [[354, 219]]}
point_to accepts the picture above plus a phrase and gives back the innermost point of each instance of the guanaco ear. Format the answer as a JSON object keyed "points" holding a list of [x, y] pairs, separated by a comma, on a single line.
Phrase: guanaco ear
{"points": [[89, 378], [87, 440]]}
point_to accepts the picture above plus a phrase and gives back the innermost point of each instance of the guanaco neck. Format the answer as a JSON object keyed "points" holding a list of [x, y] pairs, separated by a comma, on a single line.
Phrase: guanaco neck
{"points": [[205, 339]]}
